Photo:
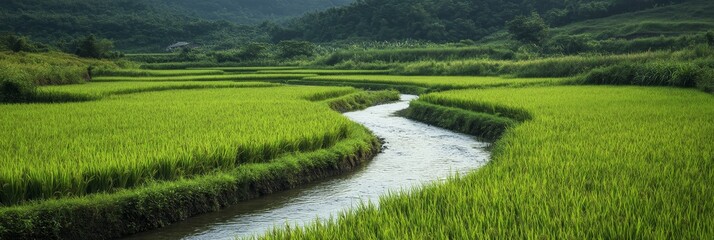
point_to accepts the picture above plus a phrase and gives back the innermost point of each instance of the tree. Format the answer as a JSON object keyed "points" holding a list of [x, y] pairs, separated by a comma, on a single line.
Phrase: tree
{"points": [[710, 38], [252, 51], [528, 29], [20, 44], [293, 48], [91, 47]]}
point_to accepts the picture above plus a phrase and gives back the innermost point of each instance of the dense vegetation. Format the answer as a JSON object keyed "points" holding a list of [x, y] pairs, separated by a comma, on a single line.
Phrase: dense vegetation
{"points": [[443, 20], [132, 24], [21, 73], [586, 162], [94, 148], [247, 11]]}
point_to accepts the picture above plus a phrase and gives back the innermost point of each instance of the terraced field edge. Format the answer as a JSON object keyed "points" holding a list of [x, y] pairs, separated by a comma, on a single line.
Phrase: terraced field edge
{"points": [[487, 126]]}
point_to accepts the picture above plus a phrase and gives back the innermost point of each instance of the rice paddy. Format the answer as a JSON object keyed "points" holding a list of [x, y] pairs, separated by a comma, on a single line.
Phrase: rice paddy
{"points": [[325, 72], [222, 77], [74, 149], [590, 162], [157, 73], [96, 90]]}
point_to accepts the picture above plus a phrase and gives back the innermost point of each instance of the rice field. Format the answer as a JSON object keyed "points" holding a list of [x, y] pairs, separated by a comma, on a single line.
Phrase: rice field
{"points": [[96, 90], [247, 69], [325, 72], [222, 77], [75, 149], [591, 162], [436, 82], [156, 73]]}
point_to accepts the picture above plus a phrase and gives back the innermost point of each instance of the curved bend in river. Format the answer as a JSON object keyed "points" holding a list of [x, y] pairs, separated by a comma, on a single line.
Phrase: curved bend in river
{"points": [[415, 153]]}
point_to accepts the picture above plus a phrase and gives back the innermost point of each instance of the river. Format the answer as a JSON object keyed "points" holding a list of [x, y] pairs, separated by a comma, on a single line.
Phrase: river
{"points": [[414, 153]]}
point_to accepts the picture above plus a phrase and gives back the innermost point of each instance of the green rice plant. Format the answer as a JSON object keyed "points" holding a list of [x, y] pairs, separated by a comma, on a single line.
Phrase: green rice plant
{"points": [[434, 82], [75, 149], [154, 73], [325, 72], [593, 162], [223, 77], [248, 69], [97, 90]]}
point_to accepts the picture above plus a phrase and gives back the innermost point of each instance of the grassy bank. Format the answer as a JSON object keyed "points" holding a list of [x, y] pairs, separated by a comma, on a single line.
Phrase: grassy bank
{"points": [[592, 162]]}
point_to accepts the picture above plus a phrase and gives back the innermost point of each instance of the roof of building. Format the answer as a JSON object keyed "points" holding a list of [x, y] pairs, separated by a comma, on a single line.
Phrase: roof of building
{"points": [[178, 44]]}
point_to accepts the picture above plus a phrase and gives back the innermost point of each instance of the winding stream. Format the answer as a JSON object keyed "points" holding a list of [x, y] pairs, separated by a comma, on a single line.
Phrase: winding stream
{"points": [[415, 153]]}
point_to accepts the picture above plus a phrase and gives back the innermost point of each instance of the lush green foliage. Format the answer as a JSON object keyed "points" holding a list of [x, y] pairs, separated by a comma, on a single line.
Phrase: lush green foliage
{"points": [[442, 20], [97, 90], [115, 215], [690, 17], [132, 24], [20, 73], [346, 57], [435, 82], [74, 149], [248, 11], [654, 74], [220, 77], [155, 73], [530, 30], [593, 162], [562, 66], [324, 72]]}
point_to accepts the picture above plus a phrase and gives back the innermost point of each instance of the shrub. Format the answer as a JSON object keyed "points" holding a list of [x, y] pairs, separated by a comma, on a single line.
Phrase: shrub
{"points": [[532, 29], [292, 49], [649, 74]]}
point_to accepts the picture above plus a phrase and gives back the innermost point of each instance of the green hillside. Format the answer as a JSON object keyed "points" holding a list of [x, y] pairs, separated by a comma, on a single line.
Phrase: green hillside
{"points": [[680, 19], [445, 21], [249, 11], [149, 25]]}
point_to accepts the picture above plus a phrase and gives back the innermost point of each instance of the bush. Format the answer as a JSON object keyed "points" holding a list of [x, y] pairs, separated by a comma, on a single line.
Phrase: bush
{"points": [[649, 74], [291, 49], [569, 44], [14, 90]]}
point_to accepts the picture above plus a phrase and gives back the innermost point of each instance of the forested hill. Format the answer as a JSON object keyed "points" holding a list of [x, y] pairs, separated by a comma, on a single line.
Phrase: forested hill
{"points": [[149, 25], [445, 20], [249, 11]]}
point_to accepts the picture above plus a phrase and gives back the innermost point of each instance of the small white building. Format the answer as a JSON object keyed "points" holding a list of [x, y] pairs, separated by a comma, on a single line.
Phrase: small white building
{"points": [[178, 45]]}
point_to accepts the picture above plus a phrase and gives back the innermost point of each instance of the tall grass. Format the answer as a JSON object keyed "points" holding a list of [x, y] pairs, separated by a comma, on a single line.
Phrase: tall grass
{"points": [[653, 74], [415, 54], [433, 82], [563, 66], [20, 73], [593, 162], [74, 149]]}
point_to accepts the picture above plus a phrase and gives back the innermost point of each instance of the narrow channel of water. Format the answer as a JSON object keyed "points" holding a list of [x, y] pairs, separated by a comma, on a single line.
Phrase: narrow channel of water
{"points": [[415, 153]]}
